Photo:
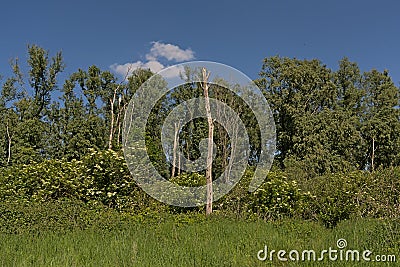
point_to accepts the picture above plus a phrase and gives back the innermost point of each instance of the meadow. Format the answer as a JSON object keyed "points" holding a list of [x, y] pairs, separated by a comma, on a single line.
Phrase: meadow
{"points": [[194, 240]]}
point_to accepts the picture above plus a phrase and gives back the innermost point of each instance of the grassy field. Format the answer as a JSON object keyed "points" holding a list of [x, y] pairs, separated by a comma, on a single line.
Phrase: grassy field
{"points": [[215, 241]]}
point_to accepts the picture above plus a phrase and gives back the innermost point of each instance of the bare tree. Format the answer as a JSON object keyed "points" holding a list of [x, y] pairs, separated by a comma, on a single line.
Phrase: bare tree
{"points": [[9, 139], [118, 123], [373, 154], [176, 138], [205, 76], [228, 137], [113, 100]]}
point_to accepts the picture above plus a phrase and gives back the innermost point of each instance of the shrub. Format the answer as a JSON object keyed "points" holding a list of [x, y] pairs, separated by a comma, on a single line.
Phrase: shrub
{"points": [[359, 193], [101, 176], [51, 179], [188, 180], [278, 197], [237, 200]]}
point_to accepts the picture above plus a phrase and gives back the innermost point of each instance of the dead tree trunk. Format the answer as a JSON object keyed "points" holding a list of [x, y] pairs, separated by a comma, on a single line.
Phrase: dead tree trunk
{"points": [[205, 76], [373, 154], [179, 166], [112, 101], [234, 141], [118, 122], [177, 125], [9, 145]]}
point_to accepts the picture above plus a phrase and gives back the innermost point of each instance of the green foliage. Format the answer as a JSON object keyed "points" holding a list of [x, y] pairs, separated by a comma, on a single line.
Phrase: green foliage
{"points": [[98, 177], [60, 215], [277, 197], [334, 201], [332, 126], [102, 178], [108, 176], [355, 194], [42, 78], [331, 121], [381, 121], [189, 179], [296, 90], [88, 114]]}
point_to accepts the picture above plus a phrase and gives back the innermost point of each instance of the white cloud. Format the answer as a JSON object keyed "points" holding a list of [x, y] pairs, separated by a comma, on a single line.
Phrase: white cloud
{"points": [[127, 68], [170, 52], [158, 50], [153, 65]]}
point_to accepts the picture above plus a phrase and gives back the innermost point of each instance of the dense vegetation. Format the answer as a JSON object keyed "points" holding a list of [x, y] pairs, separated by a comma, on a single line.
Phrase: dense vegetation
{"points": [[101, 179], [337, 140], [327, 121], [62, 166]]}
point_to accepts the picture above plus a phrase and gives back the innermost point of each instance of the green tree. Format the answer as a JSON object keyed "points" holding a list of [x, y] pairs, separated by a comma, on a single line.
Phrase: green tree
{"points": [[43, 78], [27, 110], [94, 123], [349, 111], [8, 95], [380, 123], [300, 93]]}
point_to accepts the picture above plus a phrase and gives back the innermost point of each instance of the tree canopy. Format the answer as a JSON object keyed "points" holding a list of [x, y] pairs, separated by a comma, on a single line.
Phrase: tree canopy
{"points": [[327, 120]]}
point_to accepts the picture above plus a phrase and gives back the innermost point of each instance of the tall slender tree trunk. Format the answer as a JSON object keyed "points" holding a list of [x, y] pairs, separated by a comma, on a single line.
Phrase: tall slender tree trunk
{"points": [[177, 125], [234, 141], [179, 166], [114, 124], [118, 123], [373, 154], [205, 76], [9, 145], [112, 101]]}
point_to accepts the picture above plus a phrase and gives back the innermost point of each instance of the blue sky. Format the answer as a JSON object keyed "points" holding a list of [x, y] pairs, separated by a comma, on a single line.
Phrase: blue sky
{"points": [[236, 33]]}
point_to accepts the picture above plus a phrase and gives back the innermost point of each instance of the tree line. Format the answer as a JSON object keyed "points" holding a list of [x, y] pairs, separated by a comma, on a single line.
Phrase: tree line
{"points": [[327, 120], [87, 111], [332, 121]]}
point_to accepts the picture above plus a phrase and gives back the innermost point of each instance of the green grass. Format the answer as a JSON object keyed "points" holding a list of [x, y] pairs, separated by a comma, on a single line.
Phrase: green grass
{"points": [[215, 241]]}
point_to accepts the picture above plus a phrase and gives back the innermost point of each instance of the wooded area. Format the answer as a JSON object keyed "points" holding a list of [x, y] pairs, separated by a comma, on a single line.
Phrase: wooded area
{"points": [[327, 120], [337, 139]]}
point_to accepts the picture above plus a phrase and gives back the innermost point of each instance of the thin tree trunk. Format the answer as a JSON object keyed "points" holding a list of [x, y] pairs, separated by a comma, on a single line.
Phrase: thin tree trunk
{"points": [[189, 133], [124, 113], [373, 154], [118, 123], [223, 137], [9, 145], [112, 101], [205, 77], [177, 125], [234, 141], [179, 166]]}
